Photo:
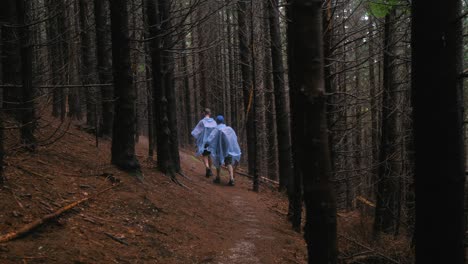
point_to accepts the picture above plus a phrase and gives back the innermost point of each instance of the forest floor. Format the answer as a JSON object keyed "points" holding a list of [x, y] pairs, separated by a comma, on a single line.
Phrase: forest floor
{"points": [[149, 220]]}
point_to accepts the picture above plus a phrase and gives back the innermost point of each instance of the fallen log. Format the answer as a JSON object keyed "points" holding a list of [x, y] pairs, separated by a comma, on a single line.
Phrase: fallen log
{"points": [[39, 222]]}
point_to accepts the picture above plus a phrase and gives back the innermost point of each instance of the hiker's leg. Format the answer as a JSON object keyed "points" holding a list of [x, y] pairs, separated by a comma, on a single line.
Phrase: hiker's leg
{"points": [[228, 162], [218, 175], [231, 172], [206, 161]]}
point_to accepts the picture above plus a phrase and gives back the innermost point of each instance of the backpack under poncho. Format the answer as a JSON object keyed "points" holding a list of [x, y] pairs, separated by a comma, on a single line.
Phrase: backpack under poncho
{"points": [[201, 133], [222, 143]]}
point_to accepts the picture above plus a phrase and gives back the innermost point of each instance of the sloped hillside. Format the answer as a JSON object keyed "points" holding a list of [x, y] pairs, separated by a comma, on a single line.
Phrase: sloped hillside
{"points": [[149, 220]]}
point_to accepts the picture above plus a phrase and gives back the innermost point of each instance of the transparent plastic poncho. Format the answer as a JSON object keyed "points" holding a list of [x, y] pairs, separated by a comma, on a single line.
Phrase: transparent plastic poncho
{"points": [[201, 133], [222, 143]]}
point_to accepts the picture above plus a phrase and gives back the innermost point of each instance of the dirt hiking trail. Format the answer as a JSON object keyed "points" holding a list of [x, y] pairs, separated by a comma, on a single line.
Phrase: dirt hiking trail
{"points": [[152, 220]]}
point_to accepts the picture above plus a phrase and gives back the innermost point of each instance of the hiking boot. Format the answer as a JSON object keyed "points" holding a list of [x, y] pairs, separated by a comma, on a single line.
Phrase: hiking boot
{"points": [[217, 180], [208, 173], [231, 183]]}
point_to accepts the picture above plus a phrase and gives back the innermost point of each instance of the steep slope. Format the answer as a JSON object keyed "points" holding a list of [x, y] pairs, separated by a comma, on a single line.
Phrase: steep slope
{"points": [[152, 220]]}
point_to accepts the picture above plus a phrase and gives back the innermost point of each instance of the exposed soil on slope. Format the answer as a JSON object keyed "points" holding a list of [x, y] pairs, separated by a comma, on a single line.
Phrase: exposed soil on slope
{"points": [[138, 221]]}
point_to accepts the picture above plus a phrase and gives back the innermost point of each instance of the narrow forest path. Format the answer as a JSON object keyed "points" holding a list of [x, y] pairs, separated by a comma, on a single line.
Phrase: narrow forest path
{"points": [[253, 232], [152, 220], [252, 229]]}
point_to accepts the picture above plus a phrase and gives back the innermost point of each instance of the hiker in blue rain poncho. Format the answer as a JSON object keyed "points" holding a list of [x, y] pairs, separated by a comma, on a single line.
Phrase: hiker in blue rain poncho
{"points": [[224, 148], [201, 133]]}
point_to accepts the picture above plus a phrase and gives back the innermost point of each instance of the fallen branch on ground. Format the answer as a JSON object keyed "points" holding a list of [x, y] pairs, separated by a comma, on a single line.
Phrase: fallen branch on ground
{"points": [[369, 249], [28, 171], [264, 179], [39, 222], [121, 241]]}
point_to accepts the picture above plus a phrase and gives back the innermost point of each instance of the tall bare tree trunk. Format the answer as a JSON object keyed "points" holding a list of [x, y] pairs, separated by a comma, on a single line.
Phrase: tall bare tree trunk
{"points": [[11, 56], [202, 83], [309, 121], [163, 89], [187, 93], [151, 133], [247, 84], [123, 143], [389, 165], [87, 66], [374, 106], [167, 75], [295, 181], [104, 64], [281, 107], [269, 108], [437, 96], [58, 50], [2, 150], [27, 115]]}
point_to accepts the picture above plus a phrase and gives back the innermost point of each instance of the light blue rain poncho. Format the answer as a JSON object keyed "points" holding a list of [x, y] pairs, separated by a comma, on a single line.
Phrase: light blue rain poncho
{"points": [[202, 131], [222, 143]]}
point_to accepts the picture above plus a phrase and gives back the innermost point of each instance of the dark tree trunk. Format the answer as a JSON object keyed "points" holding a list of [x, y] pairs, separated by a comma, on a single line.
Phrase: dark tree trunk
{"points": [[54, 60], [134, 62], [329, 88], [357, 144], [149, 91], [226, 29], [196, 106], [188, 105], [269, 108], [17, 54], [247, 84], [87, 70], [104, 64], [27, 115], [281, 107], [57, 51], [295, 182], [2, 151], [232, 69], [123, 144], [253, 145], [387, 199], [312, 156], [204, 99], [374, 106], [11, 56], [75, 101], [162, 85], [63, 57], [154, 44], [438, 131], [150, 104], [168, 85], [409, 163]]}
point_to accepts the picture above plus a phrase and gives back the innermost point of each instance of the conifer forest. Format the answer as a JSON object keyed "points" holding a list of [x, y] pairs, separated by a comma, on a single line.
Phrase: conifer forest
{"points": [[233, 131]]}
